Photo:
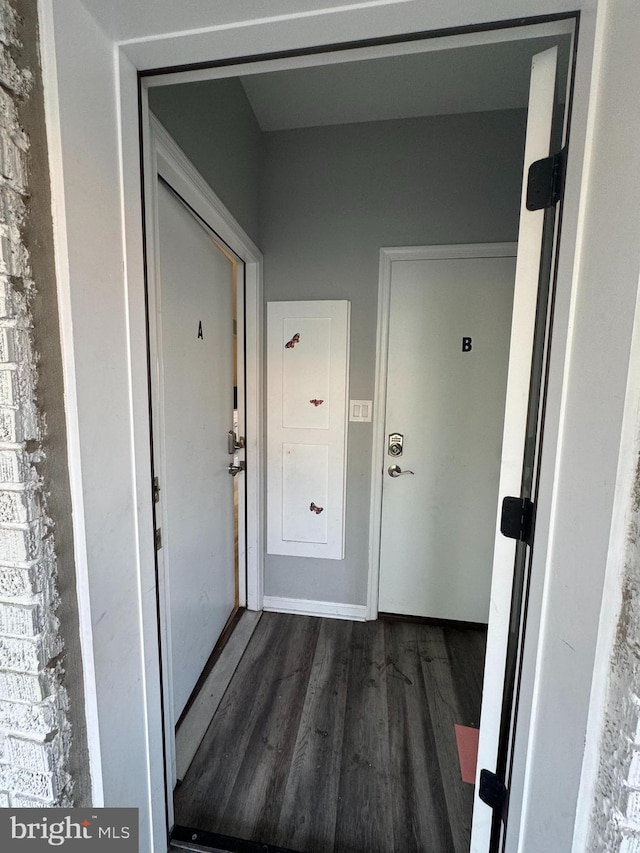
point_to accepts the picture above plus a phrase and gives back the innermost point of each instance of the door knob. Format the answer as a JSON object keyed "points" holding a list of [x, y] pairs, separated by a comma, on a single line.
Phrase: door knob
{"points": [[396, 471], [235, 469]]}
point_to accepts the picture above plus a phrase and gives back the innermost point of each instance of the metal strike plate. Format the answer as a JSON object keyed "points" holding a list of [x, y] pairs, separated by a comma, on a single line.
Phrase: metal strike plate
{"points": [[234, 442]]}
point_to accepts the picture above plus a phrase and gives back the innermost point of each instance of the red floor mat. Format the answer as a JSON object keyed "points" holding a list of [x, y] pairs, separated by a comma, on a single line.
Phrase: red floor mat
{"points": [[467, 740]]}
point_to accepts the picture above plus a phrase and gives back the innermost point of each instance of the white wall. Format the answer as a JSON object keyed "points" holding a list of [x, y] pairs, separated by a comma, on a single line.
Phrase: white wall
{"points": [[79, 85], [331, 197], [611, 270]]}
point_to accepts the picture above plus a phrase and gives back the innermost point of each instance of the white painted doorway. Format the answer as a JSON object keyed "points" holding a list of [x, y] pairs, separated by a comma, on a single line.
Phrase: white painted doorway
{"points": [[449, 322], [376, 599], [197, 279]]}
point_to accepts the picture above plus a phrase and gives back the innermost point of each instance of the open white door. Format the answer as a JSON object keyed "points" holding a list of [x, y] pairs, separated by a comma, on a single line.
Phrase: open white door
{"points": [[194, 414], [204, 303], [196, 365], [519, 449]]}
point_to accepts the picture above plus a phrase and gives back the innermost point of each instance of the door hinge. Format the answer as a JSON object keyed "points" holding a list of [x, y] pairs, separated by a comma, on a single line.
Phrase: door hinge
{"points": [[158, 538], [545, 184], [516, 521], [493, 792], [156, 489]]}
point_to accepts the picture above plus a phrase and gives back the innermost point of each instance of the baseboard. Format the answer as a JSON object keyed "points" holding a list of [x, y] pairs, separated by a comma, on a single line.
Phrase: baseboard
{"points": [[307, 607]]}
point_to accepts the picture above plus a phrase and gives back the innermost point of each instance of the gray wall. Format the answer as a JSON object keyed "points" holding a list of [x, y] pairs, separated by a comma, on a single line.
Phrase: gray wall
{"points": [[214, 125], [331, 197], [320, 202]]}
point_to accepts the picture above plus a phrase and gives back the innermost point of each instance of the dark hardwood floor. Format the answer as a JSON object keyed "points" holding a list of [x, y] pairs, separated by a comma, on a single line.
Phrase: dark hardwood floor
{"points": [[339, 736]]}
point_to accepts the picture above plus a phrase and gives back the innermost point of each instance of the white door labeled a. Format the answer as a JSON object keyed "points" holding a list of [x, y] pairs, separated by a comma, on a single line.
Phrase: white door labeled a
{"points": [[193, 417], [448, 349]]}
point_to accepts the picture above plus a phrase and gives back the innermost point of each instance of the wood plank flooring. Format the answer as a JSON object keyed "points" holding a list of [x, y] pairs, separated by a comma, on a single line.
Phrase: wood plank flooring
{"points": [[339, 736]]}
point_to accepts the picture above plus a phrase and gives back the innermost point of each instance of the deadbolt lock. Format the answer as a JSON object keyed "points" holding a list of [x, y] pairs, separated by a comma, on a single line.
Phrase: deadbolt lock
{"points": [[394, 444]]}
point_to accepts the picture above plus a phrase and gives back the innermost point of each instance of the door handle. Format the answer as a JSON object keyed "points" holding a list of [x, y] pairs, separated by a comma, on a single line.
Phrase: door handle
{"points": [[396, 471], [235, 469], [234, 442]]}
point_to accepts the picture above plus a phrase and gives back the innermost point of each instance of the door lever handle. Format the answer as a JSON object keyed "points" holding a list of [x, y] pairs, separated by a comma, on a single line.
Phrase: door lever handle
{"points": [[396, 471], [235, 469]]}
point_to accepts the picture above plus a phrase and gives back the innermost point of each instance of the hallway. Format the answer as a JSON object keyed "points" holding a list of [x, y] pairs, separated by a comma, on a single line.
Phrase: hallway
{"points": [[338, 735]]}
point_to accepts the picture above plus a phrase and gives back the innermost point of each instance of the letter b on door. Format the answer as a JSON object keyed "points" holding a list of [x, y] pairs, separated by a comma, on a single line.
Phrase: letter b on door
{"points": [[467, 345]]}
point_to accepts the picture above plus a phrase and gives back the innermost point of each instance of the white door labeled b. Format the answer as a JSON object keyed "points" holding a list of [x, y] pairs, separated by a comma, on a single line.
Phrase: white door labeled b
{"points": [[193, 417], [448, 350]]}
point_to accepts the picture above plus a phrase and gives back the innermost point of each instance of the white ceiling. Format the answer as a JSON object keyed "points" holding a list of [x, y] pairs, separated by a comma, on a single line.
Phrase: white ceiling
{"points": [[470, 79]]}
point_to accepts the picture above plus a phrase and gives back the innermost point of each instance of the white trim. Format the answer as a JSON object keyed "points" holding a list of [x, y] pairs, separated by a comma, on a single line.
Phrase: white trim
{"points": [[136, 319], [175, 165], [387, 257], [177, 49], [136, 48], [270, 19], [240, 482], [307, 607], [63, 285], [617, 549], [155, 347]]}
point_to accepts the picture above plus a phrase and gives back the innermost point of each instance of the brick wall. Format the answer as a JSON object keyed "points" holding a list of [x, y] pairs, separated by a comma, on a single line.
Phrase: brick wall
{"points": [[34, 730], [615, 819]]}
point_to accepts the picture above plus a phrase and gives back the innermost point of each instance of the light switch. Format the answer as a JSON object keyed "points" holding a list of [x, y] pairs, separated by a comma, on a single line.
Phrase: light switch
{"points": [[360, 410]]}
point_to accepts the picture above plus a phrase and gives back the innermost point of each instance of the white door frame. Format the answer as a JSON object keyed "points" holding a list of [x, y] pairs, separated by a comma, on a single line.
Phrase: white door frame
{"points": [[387, 256], [164, 158], [131, 59]]}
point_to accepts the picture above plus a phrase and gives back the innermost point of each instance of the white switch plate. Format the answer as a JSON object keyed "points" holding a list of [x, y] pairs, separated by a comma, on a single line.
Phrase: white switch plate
{"points": [[360, 410]]}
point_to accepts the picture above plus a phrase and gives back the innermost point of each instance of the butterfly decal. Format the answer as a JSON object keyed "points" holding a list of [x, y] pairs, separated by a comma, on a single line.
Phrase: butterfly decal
{"points": [[294, 340], [316, 509], [316, 403]]}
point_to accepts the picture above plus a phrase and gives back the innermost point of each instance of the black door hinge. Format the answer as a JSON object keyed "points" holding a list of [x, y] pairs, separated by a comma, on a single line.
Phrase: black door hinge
{"points": [[545, 184], [516, 521], [158, 539], [493, 792]]}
